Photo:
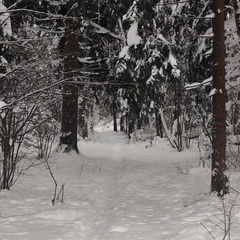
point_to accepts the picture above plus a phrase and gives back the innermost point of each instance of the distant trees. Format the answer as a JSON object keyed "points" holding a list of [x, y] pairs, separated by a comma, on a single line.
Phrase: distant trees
{"points": [[93, 48]]}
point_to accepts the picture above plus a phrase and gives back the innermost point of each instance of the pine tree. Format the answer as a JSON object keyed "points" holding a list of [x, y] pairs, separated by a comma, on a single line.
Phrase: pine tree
{"points": [[148, 63]]}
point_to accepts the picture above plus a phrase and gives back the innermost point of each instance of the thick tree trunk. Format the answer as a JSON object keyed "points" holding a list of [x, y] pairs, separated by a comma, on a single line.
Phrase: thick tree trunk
{"points": [[68, 138], [69, 118], [219, 179]]}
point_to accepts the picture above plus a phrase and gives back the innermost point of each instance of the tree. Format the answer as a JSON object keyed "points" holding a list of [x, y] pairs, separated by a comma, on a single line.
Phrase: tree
{"points": [[70, 53], [147, 63], [26, 76], [219, 182]]}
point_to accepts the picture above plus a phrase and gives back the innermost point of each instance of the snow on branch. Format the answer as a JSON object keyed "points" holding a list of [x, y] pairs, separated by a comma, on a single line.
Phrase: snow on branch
{"points": [[211, 15], [210, 35], [213, 92], [132, 36], [3, 105], [173, 3], [5, 22], [99, 28], [103, 30], [198, 84]]}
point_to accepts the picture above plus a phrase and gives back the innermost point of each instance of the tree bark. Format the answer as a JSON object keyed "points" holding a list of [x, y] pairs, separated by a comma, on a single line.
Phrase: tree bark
{"points": [[68, 138], [122, 128], [83, 119], [69, 118], [114, 110], [219, 181], [131, 124], [158, 124]]}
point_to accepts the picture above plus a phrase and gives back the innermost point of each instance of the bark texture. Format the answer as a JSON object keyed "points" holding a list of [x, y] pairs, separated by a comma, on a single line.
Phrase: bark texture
{"points": [[68, 138], [219, 182]]}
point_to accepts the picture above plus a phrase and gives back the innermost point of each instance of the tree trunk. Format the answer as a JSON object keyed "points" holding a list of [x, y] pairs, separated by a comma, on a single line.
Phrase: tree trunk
{"points": [[83, 117], [69, 118], [6, 159], [178, 131], [68, 138], [131, 125], [219, 179], [158, 123], [114, 109], [122, 124], [139, 122]]}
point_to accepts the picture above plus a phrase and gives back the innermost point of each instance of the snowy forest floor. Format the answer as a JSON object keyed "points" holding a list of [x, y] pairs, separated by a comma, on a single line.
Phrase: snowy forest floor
{"points": [[116, 190]]}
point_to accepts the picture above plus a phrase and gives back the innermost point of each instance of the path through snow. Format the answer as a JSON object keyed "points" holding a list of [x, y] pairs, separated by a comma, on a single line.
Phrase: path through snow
{"points": [[143, 195]]}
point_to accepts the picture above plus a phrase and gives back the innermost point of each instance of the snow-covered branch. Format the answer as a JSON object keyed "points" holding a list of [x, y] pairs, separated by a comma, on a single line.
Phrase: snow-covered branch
{"points": [[103, 30], [198, 84], [99, 28]]}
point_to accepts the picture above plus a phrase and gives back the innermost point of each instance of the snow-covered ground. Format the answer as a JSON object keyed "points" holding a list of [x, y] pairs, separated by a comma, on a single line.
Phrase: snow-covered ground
{"points": [[116, 190]]}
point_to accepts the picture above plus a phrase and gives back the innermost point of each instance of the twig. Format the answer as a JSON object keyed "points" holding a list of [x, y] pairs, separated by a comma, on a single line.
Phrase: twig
{"points": [[80, 172], [55, 182], [234, 190], [208, 230]]}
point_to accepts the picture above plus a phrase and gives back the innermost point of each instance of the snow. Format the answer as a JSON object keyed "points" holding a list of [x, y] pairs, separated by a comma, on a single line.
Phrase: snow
{"points": [[211, 15], [198, 84], [213, 92], [152, 104], [132, 36], [133, 39], [132, 12], [160, 36], [2, 105], [207, 81], [116, 190], [5, 21], [86, 60], [173, 62], [211, 35], [124, 53]]}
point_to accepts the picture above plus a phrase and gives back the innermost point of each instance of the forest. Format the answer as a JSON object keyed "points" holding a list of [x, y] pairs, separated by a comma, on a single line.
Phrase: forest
{"points": [[119, 119], [145, 65]]}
